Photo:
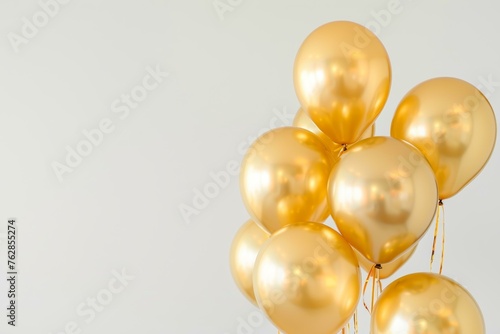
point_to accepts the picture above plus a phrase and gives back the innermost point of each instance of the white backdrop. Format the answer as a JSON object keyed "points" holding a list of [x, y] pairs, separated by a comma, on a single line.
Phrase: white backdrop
{"points": [[177, 90]]}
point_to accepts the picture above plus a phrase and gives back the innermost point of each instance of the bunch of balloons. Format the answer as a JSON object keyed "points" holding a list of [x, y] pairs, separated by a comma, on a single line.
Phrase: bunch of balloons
{"points": [[381, 191]]}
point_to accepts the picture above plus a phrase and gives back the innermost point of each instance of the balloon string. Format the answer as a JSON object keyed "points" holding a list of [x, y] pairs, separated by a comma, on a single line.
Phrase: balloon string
{"points": [[377, 288], [374, 286], [365, 286], [379, 282], [347, 329], [355, 317], [441, 205], [436, 232], [436, 229], [371, 274]]}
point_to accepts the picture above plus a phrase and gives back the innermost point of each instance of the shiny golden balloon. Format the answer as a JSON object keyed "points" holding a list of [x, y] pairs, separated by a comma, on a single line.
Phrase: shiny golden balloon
{"points": [[426, 303], [284, 176], [302, 120], [342, 77], [383, 196], [388, 269], [307, 279], [453, 125], [244, 249]]}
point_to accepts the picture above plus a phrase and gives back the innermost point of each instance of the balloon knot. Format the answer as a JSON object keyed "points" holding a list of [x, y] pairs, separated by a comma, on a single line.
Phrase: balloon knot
{"points": [[378, 266], [440, 202]]}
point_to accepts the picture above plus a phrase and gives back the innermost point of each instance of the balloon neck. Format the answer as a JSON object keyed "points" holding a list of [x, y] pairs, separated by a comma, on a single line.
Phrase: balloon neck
{"points": [[440, 202], [378, 266], [342, 150]]}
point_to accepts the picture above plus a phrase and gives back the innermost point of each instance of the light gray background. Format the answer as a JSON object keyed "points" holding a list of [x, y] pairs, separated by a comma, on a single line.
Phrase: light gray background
{"points": [[228, 76]]}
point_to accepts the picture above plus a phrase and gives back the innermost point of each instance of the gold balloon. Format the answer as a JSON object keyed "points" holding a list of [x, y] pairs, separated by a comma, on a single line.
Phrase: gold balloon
{"points": [[244, 250], [284, 176], [426, 303], [302, 120], [383, 196], [307, 279], [388, 268], [453, 125], [342, 77]]}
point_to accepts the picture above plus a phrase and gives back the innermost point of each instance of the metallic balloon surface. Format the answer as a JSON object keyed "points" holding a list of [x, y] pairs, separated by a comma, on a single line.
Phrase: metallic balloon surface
{"points": [[453, 125], [342, 77], [388, 269], [383, 196], [284, 176], [426, 303], [307, 279], [244, 249], [302, 120]]}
